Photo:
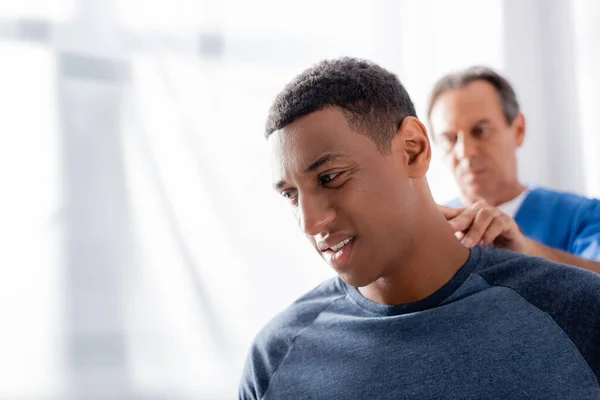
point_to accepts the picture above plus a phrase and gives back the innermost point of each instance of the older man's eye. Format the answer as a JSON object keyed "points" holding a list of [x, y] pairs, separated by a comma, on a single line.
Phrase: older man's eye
{"points": [[449, 140], [480, 131], [289, 195], [325, 179]]}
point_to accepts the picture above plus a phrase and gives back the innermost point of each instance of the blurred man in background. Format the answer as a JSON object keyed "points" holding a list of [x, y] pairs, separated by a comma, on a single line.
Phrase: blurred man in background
{"points": [[412, 314], [476, 121]]}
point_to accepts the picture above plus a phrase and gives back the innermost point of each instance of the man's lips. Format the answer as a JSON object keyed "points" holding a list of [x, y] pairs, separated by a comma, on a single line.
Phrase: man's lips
{"points": [[334, 244], [472, 173], [339, 259]]}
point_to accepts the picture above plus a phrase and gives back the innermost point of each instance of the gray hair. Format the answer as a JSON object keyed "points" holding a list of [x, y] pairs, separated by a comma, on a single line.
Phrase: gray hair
{"points": [[460, 79]]}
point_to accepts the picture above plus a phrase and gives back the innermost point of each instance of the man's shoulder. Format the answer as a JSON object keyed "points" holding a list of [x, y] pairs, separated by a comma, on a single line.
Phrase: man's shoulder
{"points": [[275, 340], [547, 196], [535, 275], [303, 311], [561, 199], [569, 295]]}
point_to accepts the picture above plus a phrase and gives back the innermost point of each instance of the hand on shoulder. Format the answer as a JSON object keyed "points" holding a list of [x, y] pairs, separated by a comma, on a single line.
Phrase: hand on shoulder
{"points": [[481, 224]]}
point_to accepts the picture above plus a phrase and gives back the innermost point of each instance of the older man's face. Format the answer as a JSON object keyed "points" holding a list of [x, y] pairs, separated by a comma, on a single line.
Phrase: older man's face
{"points": [[478, 144]]}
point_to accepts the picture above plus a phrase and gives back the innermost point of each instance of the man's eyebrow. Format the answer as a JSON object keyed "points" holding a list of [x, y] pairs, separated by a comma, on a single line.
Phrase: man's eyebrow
{"points": [[482, 121], [279, 185], [325, 159]]}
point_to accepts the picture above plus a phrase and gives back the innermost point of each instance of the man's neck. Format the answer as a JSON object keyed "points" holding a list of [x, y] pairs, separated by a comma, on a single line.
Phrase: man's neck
{"points": [[500, 197], [436, 257]]}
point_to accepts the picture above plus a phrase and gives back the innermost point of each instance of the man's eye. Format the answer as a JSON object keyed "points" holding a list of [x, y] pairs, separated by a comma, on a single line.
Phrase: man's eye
{"points": [[448, 141], [325, 179], [289, 195], [480, 130]]}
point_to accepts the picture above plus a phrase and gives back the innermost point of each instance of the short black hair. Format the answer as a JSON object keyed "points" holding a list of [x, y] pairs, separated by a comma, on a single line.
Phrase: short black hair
{"points": [[373, 100], [460, 79]]}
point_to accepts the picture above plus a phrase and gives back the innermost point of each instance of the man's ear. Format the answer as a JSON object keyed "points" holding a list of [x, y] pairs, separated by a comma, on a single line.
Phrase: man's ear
{"points": [[411, 142], [519, 127]]}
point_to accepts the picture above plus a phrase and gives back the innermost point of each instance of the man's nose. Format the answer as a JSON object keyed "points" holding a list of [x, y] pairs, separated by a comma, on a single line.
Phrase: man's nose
{"points": [[465, 147], [314, 214]]}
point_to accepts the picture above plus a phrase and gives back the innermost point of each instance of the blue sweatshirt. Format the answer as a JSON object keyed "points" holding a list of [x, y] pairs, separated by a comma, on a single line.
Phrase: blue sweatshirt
{"points": [[506, 326]]}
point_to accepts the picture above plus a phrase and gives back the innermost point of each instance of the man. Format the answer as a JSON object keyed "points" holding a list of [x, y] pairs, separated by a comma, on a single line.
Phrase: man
{"points": [[413, 313], [475, 120]]}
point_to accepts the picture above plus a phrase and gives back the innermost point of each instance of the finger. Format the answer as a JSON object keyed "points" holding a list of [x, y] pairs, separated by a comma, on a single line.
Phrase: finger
{"points": [[511, 237], [459, 235], [449, 212], [494, 230], [482, 221], [464, 220], [511, 229]]}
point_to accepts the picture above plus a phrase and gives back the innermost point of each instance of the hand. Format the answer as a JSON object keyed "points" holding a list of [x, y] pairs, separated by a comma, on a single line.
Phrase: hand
{"points": [[483, 225]]}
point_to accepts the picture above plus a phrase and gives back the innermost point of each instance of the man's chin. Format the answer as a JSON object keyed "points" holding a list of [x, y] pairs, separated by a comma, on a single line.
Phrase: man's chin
{"points": [[356, 279], [474, 191]]}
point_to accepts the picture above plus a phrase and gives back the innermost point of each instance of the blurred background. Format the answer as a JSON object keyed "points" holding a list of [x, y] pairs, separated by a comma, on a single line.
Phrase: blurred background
{"points": [[141, 246]]}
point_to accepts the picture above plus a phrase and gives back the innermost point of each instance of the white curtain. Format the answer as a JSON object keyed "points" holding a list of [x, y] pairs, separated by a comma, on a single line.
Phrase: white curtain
{"points": [[142, 245]]}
